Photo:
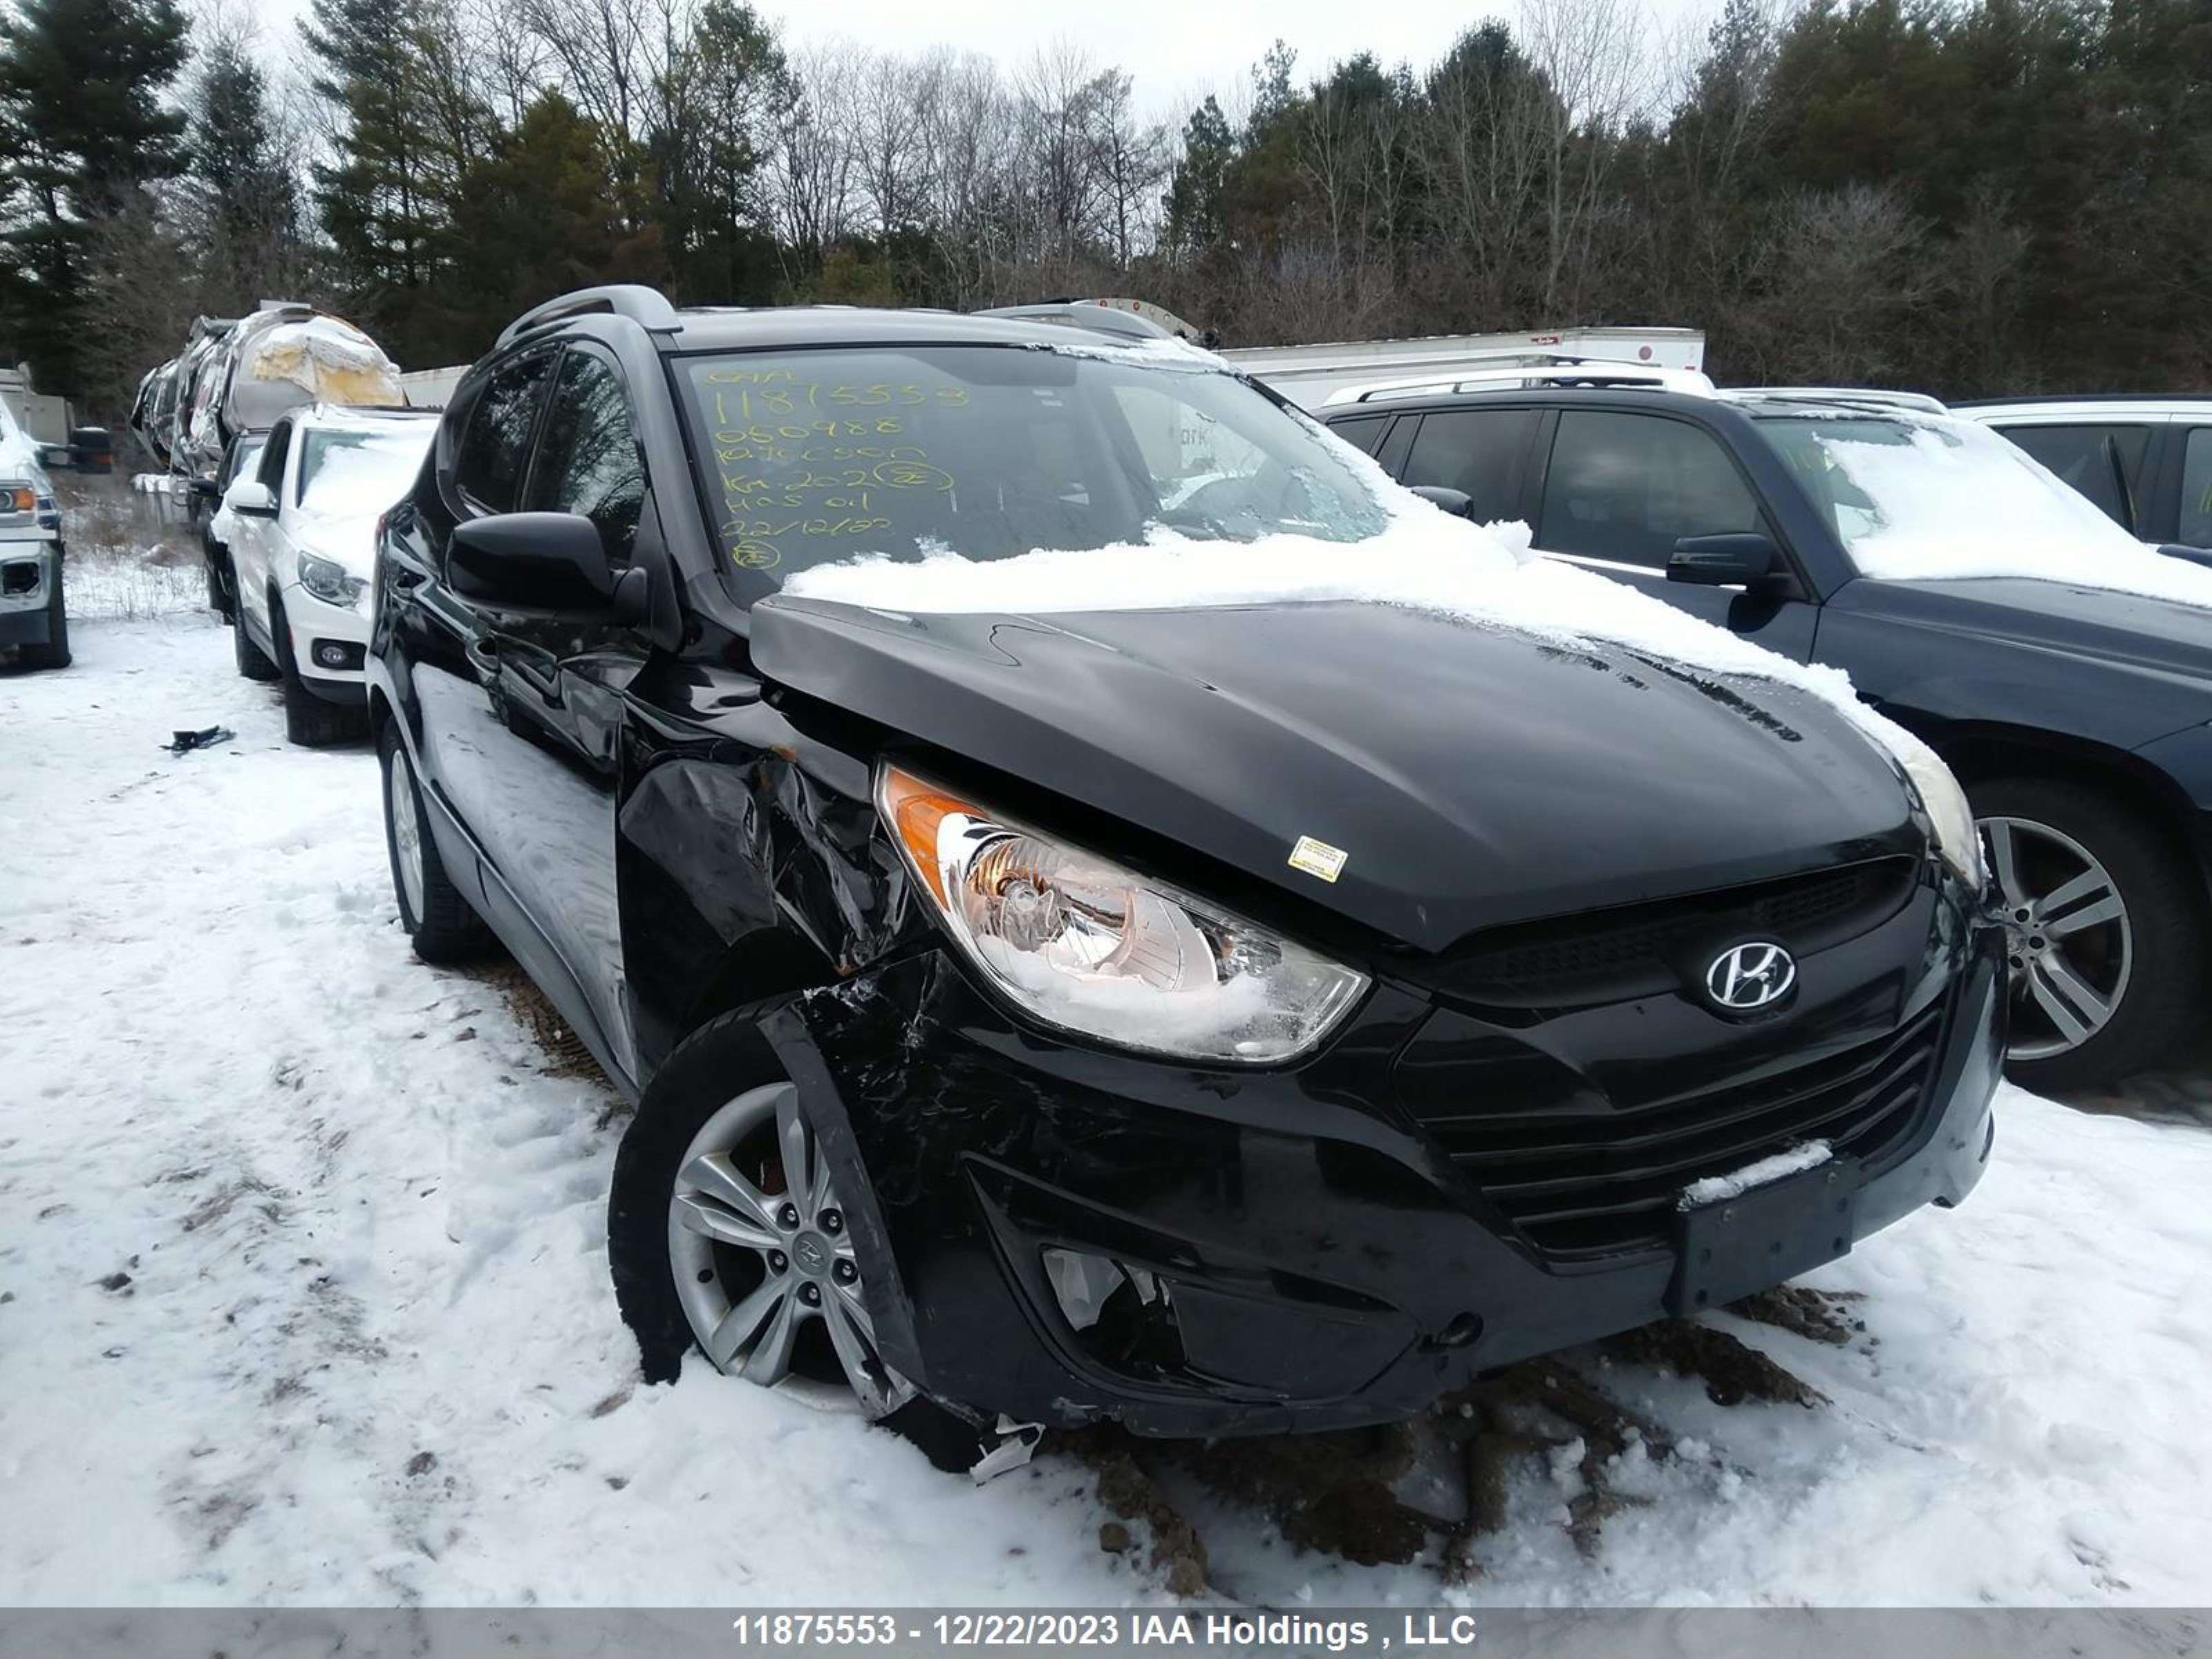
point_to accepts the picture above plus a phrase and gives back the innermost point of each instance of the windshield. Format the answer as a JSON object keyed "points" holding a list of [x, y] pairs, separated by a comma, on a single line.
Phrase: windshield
{"points": [[1913, 496], [361, 473], [992, 452]]}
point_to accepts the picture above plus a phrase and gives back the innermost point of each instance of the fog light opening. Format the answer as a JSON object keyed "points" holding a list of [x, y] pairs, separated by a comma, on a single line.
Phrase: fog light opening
{"points": [[1123, 1315], [333, 653]]}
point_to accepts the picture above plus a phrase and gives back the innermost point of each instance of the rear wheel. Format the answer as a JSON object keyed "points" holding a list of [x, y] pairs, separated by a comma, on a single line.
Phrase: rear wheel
{"points": [[2105, 923], [438, 920]]}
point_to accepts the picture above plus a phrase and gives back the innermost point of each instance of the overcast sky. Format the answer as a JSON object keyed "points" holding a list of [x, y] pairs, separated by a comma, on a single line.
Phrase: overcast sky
{"points": [[1178, 49]]}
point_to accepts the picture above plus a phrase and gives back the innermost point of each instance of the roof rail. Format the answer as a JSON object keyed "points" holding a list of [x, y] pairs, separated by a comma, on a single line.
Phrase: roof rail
{"points": [[1086, 313], [1571, 373], [646, 307], [1846, 394]]}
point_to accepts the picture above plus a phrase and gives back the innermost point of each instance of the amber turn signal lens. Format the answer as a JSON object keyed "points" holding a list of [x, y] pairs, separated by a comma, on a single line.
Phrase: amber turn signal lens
{"points": [[25, 500], [915, 810]]}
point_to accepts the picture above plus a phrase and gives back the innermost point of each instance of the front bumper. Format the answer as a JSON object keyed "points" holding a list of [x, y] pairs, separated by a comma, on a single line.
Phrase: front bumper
{"points": [[330, 646], [30, 569], [1327, 1260]]}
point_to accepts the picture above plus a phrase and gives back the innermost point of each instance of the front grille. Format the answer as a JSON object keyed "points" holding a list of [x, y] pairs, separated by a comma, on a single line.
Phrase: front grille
{"points": [[1590, 1183], [1633, 950]]}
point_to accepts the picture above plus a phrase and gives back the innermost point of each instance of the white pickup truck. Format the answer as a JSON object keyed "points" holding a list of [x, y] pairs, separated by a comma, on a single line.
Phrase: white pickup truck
{"points": [[33, 618]]}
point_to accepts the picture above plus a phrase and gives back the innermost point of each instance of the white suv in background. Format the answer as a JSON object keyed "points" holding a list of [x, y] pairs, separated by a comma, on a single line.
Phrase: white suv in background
{"points": [[301, 527], [33, 618], [2146, 462]]}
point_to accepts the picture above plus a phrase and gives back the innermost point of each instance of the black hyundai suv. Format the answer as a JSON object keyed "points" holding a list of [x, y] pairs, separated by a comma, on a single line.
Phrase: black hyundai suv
{"points": [[1218, 1017], [1861, 530]]}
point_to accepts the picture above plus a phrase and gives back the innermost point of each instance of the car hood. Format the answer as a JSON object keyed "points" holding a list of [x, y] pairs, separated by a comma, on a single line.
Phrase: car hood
{"points": [[347, 539], [2166, 636], [1471, 776]]}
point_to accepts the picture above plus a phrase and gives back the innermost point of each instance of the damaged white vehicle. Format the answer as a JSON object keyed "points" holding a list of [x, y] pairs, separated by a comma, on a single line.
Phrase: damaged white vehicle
{"points": [[33, 612], [300, 529]]}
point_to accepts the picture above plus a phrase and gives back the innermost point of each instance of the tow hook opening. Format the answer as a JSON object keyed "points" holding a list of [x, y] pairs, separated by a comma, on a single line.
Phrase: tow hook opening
{"points": [[1463, 1331]]}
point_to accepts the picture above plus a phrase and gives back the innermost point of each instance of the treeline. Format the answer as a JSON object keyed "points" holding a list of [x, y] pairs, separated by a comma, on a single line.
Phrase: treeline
{"points": [[1978, 196]]}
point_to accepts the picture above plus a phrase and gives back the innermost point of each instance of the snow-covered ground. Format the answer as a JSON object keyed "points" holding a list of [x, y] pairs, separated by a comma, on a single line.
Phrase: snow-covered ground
{"points": [[303, 1293]]}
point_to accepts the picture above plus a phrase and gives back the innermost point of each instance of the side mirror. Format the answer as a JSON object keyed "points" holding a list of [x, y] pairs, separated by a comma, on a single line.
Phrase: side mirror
{"points": [[249, 498], [540, 562], [1739, 557], [1457, 503]]}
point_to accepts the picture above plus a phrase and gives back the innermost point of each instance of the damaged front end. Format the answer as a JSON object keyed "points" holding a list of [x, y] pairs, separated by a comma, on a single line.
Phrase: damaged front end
{"points": [[1080, 1236]]}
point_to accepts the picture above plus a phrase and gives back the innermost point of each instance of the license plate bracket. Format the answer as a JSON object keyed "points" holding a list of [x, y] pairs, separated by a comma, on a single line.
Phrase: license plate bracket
{"points": [[1730, 1248]]}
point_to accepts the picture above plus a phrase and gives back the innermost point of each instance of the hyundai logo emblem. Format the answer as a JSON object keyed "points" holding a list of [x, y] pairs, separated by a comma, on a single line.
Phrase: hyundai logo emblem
{"points": [[1748, 977]]}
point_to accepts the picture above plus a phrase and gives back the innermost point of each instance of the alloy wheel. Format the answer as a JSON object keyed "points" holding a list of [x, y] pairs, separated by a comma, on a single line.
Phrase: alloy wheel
{"points": [[765, 1264], [2069, 941], [406, 829]]}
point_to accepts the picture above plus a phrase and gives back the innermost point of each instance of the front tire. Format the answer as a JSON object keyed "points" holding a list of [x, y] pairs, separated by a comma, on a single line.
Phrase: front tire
{"points": [[309, 720], [442, 927], [252, 661], [55, 653], [2106, 932], [726, 1229]]}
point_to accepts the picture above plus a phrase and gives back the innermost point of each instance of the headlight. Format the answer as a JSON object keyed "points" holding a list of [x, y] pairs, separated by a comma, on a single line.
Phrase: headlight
{"points": [[329, 582], [1956, 838], [1084, 945]]}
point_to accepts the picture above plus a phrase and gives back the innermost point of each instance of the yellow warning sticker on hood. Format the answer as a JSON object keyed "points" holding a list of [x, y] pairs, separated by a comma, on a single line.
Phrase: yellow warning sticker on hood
{"points": [[1318, 858]]}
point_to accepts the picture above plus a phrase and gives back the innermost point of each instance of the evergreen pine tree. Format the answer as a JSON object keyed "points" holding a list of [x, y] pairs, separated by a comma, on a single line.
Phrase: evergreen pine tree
{"points": [[83, 126]]}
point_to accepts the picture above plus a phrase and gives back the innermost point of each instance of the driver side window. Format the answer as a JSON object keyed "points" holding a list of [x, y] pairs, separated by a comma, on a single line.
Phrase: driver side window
{"points": [[494, 449], [588, 461], [1628, 487]]}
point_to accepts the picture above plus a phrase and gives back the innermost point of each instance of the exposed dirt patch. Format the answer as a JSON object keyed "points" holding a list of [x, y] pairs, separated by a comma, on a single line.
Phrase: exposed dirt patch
{"points": [[1334, 1492], [1816, 1315], [1131, 1494], [1441, 1484], [1733, 1372], [565, 1053]]}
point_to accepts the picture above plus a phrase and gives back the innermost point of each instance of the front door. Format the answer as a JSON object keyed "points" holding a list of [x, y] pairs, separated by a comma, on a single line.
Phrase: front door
{"points": [[1622, 488], [557, 686]]}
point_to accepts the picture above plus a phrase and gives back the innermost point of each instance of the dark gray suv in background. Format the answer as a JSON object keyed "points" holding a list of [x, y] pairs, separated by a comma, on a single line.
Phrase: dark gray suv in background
{"points": [[2079, 718]]}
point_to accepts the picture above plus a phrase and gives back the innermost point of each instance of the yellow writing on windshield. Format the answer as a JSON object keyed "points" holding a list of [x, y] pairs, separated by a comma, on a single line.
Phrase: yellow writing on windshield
{"points": [[811, 459]]}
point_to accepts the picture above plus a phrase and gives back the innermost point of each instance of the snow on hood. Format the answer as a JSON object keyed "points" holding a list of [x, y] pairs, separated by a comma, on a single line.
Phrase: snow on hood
{"points": [[1425, 559], [1933, 498], [353, 487]]}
